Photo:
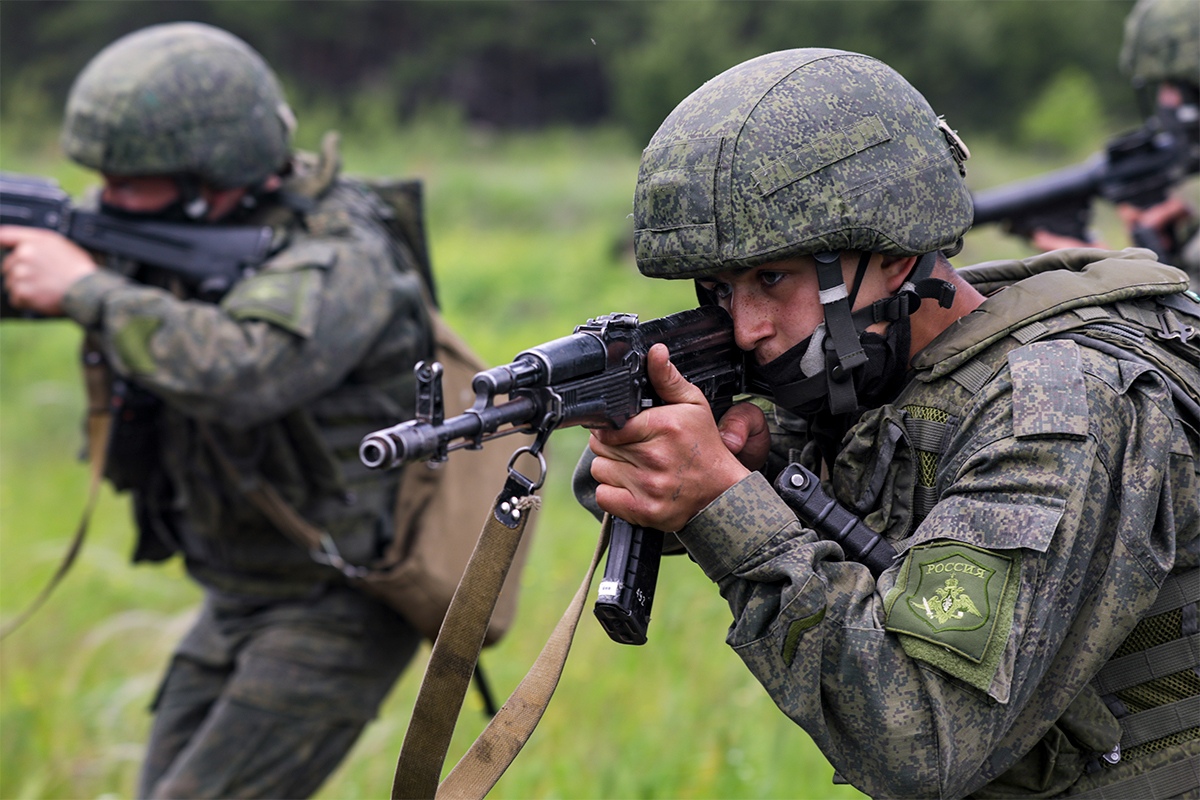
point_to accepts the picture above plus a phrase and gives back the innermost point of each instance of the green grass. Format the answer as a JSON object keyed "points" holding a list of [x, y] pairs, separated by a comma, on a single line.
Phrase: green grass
{"points": [[530, 236]]}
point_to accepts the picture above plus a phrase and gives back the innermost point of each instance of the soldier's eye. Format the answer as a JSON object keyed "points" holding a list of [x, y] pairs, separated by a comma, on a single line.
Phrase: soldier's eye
{"points": [[722, 291]]}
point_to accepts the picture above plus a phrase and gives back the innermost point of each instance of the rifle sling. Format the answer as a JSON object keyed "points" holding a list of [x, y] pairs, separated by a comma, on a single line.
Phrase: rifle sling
{"points": [[99, 432], [455, 655], [494, 750]]}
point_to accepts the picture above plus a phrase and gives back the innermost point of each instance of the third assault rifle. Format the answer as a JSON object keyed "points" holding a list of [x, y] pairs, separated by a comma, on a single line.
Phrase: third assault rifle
{"points": [[596, 378], [1137, 168], [209, 259]]}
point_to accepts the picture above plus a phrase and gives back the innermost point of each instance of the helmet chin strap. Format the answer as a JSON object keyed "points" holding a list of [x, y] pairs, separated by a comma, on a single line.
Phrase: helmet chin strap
{"points": [[844, 326], [840, 327], [918, 285], [191, 200]]}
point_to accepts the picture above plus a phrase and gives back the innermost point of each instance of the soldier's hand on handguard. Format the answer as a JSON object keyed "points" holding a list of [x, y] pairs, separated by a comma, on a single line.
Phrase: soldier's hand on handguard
{"points": [[41, 267], [1160, 220], [1046, 241], [671, 461]]}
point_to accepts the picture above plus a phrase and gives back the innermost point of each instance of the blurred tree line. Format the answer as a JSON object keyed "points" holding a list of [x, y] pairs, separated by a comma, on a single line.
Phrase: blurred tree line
{"points": [[1032, 71]]}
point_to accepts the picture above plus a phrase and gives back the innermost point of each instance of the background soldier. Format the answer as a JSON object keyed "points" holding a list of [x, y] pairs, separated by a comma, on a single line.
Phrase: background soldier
{"points": [[1161, 55], [1030, 452], [276, 383]]}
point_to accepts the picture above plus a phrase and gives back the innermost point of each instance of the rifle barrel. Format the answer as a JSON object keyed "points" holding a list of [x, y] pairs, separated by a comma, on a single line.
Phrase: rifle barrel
{"points": [[1063, 186]]}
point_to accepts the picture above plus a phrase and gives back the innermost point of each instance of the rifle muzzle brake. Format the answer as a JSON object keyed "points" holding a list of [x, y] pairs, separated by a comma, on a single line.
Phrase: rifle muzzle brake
{"points": [[391, 447]]}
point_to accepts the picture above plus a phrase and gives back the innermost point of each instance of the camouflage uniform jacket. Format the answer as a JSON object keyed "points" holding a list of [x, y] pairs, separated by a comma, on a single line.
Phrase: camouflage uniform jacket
{"points": [[286, 374], [1065, 491]]}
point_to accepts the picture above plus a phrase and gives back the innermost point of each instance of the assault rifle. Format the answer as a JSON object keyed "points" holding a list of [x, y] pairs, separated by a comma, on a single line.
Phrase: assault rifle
{"points": [[595, 378], [1137, 168], [209, 259]]}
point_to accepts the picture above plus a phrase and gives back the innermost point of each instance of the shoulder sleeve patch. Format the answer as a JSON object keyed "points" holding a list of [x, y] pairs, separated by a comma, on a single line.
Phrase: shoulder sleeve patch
{"points": [[953, 605], [1049, 396], [287, 292]]}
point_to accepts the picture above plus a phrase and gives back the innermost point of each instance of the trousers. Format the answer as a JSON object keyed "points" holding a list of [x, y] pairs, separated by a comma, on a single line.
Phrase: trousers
{"points": [[265, 698]]}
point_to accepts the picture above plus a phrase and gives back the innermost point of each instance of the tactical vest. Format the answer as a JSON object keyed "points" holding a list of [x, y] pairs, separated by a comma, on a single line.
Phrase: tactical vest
{"points": [[311, 454], [1152, 682]]}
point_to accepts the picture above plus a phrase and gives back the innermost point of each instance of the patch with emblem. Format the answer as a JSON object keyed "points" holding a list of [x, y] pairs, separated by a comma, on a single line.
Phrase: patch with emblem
{"points": [[951, 596]]}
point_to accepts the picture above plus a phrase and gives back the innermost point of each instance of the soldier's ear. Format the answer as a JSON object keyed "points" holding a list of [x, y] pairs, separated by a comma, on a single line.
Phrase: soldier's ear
{"points": [[896, 270]]}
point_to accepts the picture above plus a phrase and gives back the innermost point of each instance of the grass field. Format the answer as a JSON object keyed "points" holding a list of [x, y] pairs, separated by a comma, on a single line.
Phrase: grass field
{"points": [[530, 236]]}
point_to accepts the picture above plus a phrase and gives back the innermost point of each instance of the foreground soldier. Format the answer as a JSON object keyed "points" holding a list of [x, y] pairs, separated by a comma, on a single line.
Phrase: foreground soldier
{"points": [[1161, 56], [1029, 449], [286, 664]]}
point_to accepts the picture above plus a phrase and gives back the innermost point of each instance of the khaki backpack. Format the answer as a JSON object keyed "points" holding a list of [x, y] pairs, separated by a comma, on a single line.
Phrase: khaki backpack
{"points": [[440, 508]]}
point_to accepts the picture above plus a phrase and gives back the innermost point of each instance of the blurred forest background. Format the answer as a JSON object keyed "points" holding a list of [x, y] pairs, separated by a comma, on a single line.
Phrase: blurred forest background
{"points": [[1031, 71], [525, 121]]}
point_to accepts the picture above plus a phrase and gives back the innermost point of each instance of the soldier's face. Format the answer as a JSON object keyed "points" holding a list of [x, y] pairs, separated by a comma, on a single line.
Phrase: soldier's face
{"points": [[777, 305], [774, 306], [140, 195], [156, 193]]}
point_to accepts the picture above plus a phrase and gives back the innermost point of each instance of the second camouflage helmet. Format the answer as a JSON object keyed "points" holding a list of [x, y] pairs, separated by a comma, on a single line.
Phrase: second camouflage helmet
{"points": [[1162, 41], [793, 153], [180, 98]]}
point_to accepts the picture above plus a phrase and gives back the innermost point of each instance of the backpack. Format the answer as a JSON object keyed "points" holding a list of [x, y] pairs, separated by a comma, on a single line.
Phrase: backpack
{"points": [[440, 508]]}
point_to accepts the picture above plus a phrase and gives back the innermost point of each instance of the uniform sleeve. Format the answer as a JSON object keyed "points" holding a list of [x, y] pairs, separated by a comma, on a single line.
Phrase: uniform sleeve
{"points": [[286, 335], [1046, 544]]}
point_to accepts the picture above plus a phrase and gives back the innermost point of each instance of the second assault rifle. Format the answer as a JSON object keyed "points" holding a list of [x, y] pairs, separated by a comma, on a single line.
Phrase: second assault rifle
{"points": [[596, 378], [209, 259], [1137, 168]]}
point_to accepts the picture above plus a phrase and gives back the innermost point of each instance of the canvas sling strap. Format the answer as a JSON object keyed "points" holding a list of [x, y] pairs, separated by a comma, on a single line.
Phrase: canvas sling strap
{"points": [[99, 434], [455, 655], [427, 740]]}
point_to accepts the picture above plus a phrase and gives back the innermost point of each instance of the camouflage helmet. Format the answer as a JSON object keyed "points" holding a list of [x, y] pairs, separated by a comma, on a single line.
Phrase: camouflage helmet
{"points": [[798, 152], [179, 99], [1162, 42]]}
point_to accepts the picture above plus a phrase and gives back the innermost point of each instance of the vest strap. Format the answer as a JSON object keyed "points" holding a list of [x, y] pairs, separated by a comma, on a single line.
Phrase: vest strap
{"points": [[1149, 664], [1169, 780], [1160, 721], [1178, 590], [926, 434], [973, 376]]}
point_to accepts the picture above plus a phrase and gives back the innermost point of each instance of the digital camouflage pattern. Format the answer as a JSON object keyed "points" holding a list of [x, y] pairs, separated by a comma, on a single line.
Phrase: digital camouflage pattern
{"points": [[180, 98], [1162, 42], [1039, 492], [284, 691], [294, 366], [798, 152]]}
